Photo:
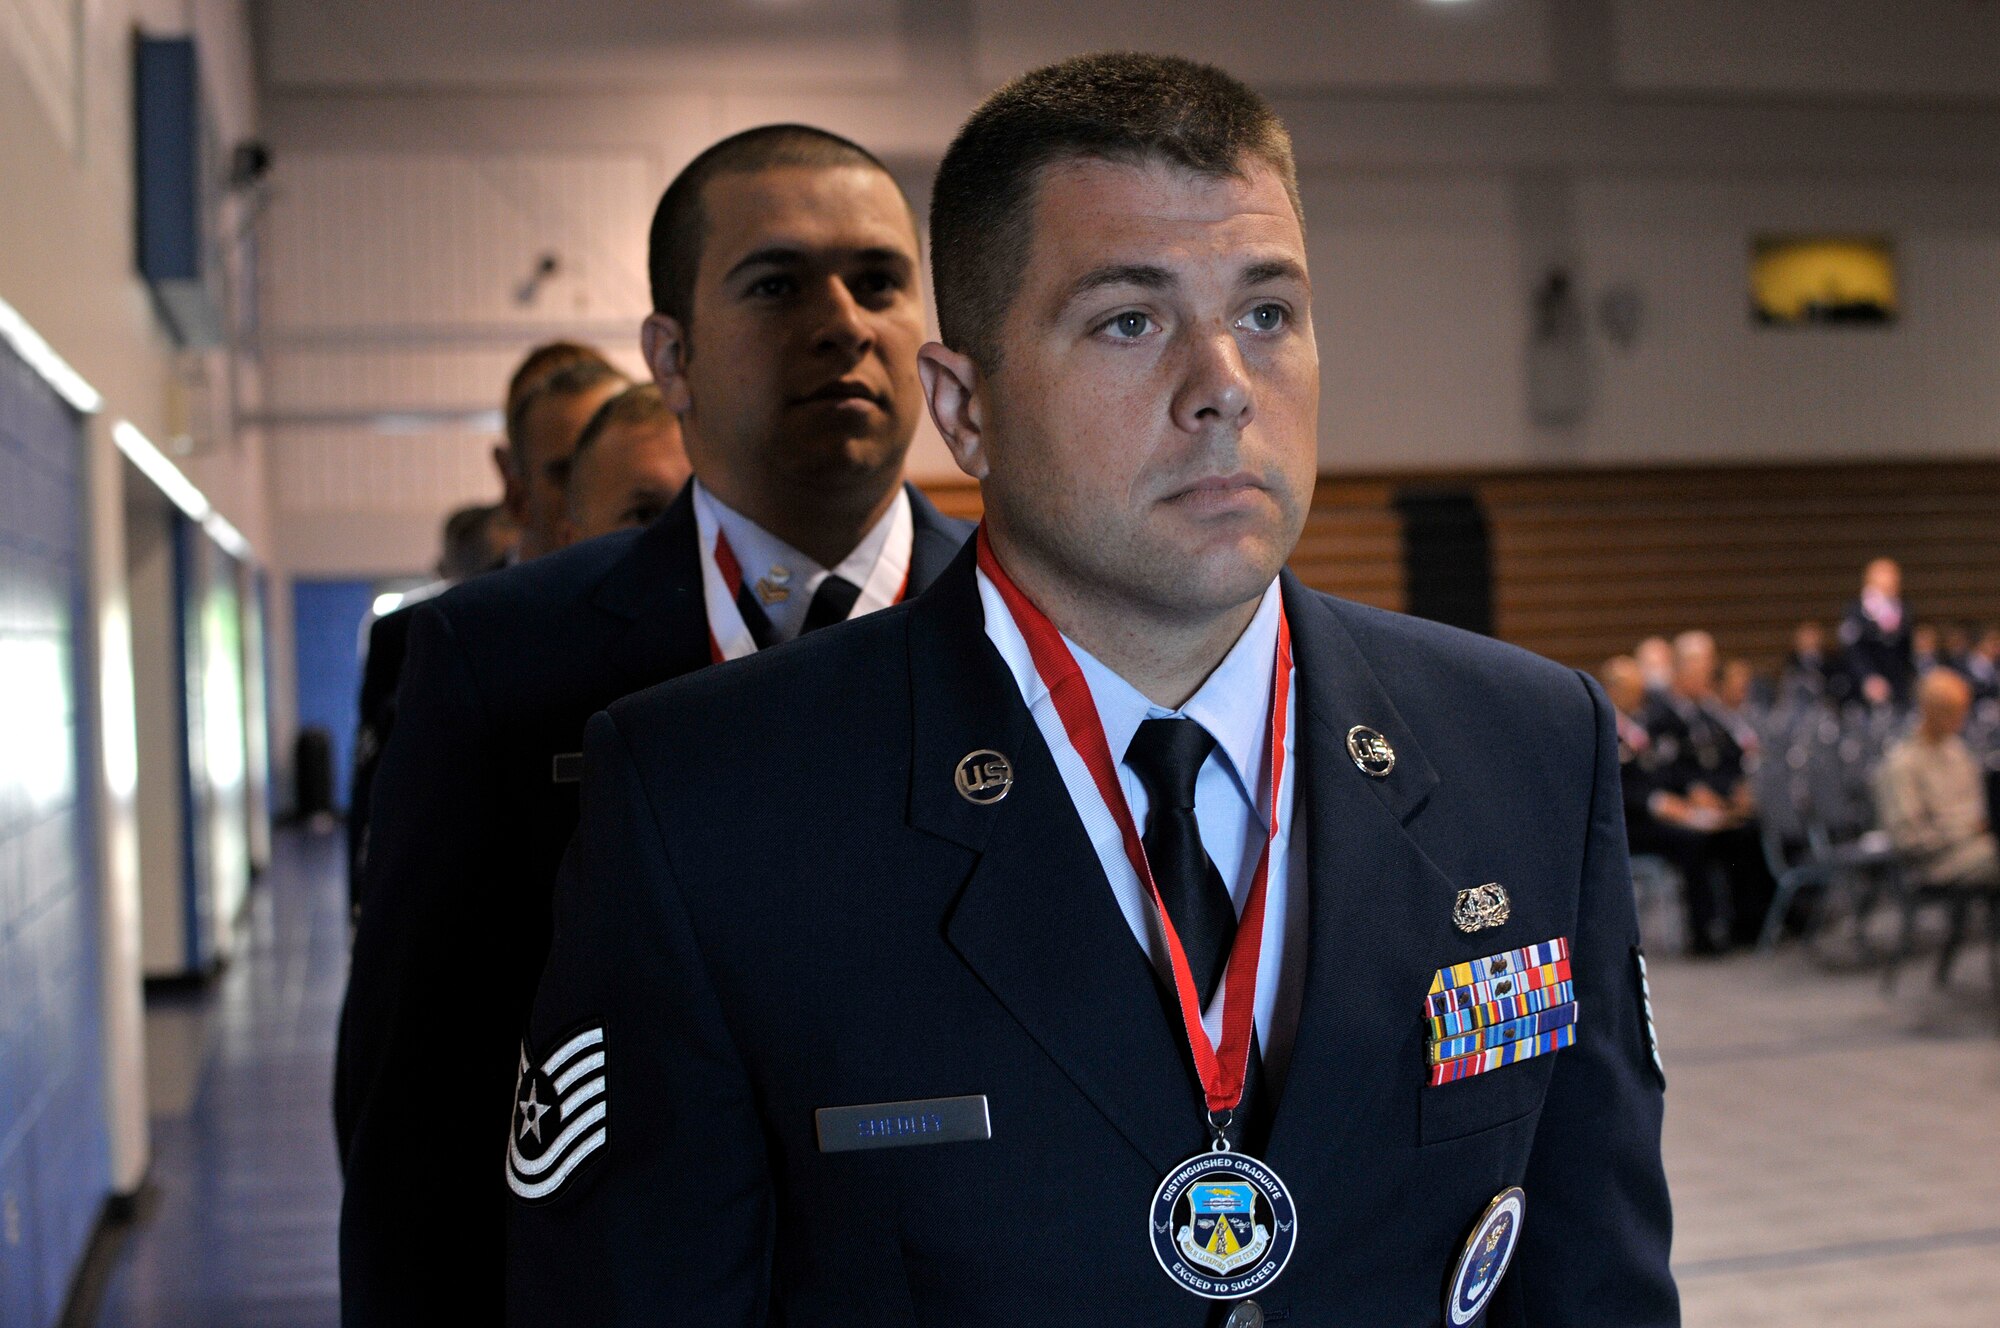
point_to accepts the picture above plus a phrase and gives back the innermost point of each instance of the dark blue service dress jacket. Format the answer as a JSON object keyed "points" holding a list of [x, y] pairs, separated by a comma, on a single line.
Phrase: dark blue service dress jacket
{"points": [[473, 803], [778, 901]]}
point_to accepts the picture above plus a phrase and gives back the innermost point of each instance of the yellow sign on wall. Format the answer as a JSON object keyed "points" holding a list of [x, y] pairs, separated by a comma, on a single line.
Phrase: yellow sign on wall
{"points": [[1801, 280]]}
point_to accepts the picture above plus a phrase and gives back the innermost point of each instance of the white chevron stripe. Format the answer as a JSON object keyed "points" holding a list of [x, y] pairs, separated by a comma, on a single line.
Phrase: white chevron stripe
{"points": [[542, 1188], [588, 1038], [594, 1061], [519, 1165]]}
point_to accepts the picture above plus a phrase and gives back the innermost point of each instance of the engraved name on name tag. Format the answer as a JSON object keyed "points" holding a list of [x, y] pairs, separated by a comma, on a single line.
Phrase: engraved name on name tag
{"points": [[930, 1120]]}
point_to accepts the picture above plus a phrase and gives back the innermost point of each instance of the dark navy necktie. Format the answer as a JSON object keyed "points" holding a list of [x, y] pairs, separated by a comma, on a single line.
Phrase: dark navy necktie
{"points": [[832, 602], [1167, 755]]}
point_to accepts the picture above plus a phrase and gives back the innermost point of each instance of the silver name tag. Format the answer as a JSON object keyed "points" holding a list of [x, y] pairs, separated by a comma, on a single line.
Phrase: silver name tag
{"points": [[930, 1120], [567, 768]]}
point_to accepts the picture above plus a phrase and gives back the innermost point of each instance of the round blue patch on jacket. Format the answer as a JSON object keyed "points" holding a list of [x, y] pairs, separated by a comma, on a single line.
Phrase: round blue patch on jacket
{"points": [[1484, 1261]]}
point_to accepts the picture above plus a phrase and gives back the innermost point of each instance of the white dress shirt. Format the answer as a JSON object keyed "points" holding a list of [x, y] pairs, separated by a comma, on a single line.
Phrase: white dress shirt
{"points": [[1232, 796], [880, 565]]}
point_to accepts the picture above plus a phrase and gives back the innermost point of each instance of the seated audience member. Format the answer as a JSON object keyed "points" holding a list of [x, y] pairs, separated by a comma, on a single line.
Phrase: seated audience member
{"points": [[629, 466], [1876, 637], [1699, 759], [1931, 794], [1925, 649], [1738, 697], [1655, 656], [542, 428], [1982, 665], [1810, 673], [1955, 646]]}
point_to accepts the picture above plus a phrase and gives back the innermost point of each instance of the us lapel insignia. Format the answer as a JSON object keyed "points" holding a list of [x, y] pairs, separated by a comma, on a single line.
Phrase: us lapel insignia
{"points": [[983, 777], [1481, 907], [1373, 756], [774, 587]]}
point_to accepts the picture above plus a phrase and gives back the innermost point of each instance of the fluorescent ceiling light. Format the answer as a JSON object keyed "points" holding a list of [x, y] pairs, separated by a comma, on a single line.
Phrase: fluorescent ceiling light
{"points": [[42, 358]]}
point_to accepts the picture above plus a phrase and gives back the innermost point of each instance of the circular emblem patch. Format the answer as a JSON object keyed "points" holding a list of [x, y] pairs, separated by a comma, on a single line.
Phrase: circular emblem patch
{"points": [[983, 777], [1371, 752], [1223, 1225], [1486, 1256]]}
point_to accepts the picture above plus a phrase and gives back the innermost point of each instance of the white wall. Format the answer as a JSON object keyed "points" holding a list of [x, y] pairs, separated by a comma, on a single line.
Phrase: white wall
{"points": [[1450, 156], [66, 265]]}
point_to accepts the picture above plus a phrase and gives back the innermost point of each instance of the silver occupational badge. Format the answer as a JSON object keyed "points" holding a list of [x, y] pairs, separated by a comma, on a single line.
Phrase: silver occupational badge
{"points": [[1372, 754], [983, 776], [1481, 907]]}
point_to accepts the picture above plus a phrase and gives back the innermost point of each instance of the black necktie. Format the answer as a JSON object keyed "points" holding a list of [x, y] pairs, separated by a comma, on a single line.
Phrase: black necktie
{"points": [[755, 620], [832, 602], [1167, 755]]}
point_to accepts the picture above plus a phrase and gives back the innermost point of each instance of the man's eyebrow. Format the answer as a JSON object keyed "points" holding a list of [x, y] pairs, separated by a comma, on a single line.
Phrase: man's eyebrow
{"points": [[783, 255], [1272, 269], [1145, 275], [776, 255]]}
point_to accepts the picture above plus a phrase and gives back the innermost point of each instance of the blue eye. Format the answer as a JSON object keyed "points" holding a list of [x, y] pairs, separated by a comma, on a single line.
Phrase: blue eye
{"points": [[1129, 325], [1266, 317]]}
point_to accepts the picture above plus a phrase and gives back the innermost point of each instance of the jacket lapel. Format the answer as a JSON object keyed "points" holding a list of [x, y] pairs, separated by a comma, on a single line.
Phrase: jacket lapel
{"points": [[935, 540], [656, 588], [1036, 921], [1380, 909]]}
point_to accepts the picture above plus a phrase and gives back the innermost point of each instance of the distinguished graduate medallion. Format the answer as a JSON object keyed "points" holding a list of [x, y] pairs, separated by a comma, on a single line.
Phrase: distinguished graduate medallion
{"points": [[1223, 1225], [1485, 1258]]}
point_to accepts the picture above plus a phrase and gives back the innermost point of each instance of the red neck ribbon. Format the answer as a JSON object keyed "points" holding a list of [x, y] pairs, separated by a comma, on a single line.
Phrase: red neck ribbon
{"points": [[732, 576], [1221, 1068]]}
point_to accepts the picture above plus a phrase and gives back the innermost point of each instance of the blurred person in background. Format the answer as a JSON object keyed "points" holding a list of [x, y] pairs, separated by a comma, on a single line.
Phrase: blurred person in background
{"points": [[1926, 651], [477, 539], [1701, 763], [1809, 672], [543, 426], [630, 465], [788, 311], [1875, 634], [1955, 645], [1931, 794], [1982, 664], [1655, 657]]}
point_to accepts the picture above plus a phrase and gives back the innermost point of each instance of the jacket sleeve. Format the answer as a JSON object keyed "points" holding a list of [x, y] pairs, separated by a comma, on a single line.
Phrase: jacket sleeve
{"points": [[667, 1218], [1598, 1226], [422, 1062]]}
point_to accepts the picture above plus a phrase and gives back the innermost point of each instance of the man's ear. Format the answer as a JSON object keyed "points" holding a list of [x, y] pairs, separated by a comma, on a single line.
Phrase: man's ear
{"points": [[513, 493], [951, 386], [663, 341]]}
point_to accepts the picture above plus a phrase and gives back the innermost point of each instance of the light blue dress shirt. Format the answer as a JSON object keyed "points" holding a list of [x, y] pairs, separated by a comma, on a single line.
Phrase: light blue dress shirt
{"points": [[1232, 795]]}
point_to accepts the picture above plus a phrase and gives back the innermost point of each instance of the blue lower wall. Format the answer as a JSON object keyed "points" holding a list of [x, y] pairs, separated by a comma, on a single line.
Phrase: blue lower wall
{"points": [[54, 1154], [327, 618]]}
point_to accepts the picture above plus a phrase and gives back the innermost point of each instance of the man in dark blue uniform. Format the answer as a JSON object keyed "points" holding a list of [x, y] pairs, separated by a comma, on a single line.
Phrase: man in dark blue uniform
{"points": [[1121, 933], [788, 316]]}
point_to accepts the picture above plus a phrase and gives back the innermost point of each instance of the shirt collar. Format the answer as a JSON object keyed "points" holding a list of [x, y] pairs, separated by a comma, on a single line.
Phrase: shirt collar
{"points": [[1233, 703], [876, 562]]}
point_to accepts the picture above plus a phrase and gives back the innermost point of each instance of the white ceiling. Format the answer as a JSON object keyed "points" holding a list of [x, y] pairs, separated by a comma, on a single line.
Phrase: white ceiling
{"points": [[1898, 49]]}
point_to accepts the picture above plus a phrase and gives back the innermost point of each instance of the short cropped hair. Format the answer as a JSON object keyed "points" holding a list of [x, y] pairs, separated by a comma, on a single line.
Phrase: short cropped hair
{"points": [[673, 247], [633, 407], [572, 380], [467, 552], [1118, 107], [544, 360]]}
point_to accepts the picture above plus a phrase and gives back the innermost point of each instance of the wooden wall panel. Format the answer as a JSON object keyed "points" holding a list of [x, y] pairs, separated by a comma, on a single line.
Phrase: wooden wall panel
{"points": [[1585, 563]]}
